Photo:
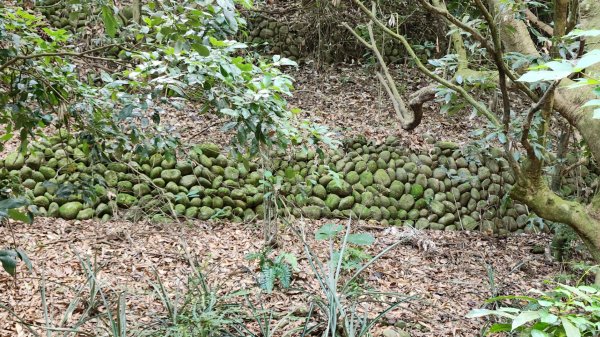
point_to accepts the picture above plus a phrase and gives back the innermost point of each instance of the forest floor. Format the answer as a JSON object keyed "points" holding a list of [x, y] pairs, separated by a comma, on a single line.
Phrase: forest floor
{"points": [[459, 274], [448, 273]]}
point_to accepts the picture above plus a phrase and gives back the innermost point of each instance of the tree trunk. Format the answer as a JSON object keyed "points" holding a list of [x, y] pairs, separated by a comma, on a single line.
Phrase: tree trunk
{"points": [[535, 193]]}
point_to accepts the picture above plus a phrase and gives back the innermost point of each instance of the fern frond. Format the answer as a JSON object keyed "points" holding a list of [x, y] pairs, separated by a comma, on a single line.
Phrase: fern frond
{"points": [[283, 272], [267, 279]]}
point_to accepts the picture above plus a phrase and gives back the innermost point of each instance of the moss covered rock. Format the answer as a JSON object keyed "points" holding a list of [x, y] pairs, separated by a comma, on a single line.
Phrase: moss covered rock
{"points": [[366, 178], [416, 190], [171, 175], [126, 200], [339, 187], [209, 149], [14, 161], [312, 212], [85, 214], [381, 177], [332, 201], [406, 202], [70, 210]]}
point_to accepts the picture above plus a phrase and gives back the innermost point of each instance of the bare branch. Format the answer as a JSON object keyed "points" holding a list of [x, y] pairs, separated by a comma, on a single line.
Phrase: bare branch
{"points": [[460, 90], [541, 25]]}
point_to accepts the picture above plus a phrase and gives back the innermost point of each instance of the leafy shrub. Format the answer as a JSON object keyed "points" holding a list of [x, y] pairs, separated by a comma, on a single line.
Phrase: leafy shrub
{"points": [[273, 270], [353, 257], [339, 301], [565, 311], [202, 311]]}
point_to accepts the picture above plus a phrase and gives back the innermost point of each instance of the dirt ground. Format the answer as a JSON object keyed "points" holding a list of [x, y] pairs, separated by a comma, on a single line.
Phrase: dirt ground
{"points": [[448, 273]]}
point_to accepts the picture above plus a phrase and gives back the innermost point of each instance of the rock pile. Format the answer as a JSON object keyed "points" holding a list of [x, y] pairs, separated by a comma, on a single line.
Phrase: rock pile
{"points": [[442, 189]]}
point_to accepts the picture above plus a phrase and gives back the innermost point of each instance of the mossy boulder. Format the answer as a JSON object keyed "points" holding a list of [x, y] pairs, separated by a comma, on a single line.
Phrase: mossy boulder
{"points": [[346, 203], [416, 190], [171, 175], [111, 178], [469, 223], [437, 207], [361, 211], [406, 202], [396, 189], [332, 201], [339, 187], [41, 201], [366, 178], [126, 200], [319, 191], [352, 177], [14, 161], [141, 190], [188, 181], [211, 150], [447, 219], [35, 160], [85, 214], [381, 177], [70, 210], [232, 173], [312, 212]]}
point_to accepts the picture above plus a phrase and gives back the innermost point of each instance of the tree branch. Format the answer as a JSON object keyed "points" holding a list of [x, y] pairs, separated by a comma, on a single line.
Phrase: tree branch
{"points": [[83, 54], [541, 25], [477, 105]]}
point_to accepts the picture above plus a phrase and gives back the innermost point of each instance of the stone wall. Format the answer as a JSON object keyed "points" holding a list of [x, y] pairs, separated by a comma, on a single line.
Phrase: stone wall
{"points": [[442, 189]]}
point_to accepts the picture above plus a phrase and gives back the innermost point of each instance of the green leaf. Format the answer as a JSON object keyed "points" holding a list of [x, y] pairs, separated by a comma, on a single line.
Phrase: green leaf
{"points": [[110, 22], [594, 102], [500, 327], [328, 231], [570, 329], [589, 59], [7, 204], [9, 261], [475, 313], [543, 75], [23, 256], [560, 66], [538, 333], [361, 239], [524, 318], [201, 49], [596, 114], [19, 216], [586, 33]]}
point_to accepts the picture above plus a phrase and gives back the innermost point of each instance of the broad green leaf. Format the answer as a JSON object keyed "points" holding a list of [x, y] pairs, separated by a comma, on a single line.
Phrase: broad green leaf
{"points": [[500, 327], [9, 261], [524, 318], [594, 102], [328, 231], [7, 204], [201, 49], [587, 33], [560, 66], [110, 22], [543, 75], [588, 289], [475, 313], [23, 256], [570, 329], [538, 333], [589, 59], [361, 239], [19, 216]]}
